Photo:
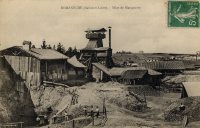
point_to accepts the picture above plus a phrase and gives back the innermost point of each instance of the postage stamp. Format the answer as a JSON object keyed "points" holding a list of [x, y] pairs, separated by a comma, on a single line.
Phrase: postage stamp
{"points": [[183, 14]]}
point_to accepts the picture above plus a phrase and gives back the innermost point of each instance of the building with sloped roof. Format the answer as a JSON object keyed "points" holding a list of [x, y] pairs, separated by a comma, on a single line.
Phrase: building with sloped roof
{"points": [[127, 75], [36, 65], [190, 89], [165, 67], [191, 64]]}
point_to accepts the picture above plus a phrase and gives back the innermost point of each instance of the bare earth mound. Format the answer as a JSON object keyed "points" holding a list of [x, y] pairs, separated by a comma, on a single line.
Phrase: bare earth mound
{"points": [[192, 110]]}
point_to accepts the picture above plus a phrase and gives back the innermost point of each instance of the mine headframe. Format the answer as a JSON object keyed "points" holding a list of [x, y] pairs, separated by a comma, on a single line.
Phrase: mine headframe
{"points": [[95, 51]]}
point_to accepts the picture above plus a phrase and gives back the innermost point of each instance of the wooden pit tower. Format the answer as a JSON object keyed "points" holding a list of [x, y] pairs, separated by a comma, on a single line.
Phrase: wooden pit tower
{"points": [[95, 51]]}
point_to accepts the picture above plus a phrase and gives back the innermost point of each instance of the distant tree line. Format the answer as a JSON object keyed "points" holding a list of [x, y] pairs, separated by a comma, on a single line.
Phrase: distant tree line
{"points": [[123, 52], [60, 48]]}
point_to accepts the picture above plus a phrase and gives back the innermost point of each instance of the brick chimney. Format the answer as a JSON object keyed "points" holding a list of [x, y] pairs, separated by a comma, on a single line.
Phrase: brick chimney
{"points": [[109, 37], [26, 45]]}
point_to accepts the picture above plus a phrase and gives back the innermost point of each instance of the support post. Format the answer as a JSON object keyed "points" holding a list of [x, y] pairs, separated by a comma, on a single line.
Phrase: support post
{"points": [[104, 108], [21, 124], [145, 99], [73, 124], [92, 120], [46, 67]]}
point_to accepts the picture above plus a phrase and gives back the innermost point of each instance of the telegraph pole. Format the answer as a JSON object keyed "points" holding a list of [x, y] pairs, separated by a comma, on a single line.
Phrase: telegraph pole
{"points": [[197, 54]]}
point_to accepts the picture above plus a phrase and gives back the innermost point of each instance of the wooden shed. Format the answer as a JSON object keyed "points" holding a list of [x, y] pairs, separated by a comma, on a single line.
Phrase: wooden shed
{"points": [[127, 75], [35, 65]]}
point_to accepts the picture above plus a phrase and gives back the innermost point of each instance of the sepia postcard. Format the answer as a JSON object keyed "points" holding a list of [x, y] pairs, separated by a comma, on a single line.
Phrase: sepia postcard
{"points": [[99, 64]]}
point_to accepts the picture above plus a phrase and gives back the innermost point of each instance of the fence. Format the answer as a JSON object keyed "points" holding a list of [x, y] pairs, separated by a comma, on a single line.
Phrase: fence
{"points": [[70, 122], [12, 125], [77, 123]]}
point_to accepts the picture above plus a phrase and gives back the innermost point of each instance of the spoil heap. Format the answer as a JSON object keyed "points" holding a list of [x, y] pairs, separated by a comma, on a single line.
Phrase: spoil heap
{"points": [[119, 95], [60, 99], [192, 109]]}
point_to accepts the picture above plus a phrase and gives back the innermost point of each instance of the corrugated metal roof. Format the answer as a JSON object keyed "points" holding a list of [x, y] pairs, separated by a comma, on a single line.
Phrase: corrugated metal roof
{"points": [[47, 54], [133, 74], [153, 72], [129, 72], [74, 62], [191, 64], [42, 54], [102, 68], [117, 71], [164, 65], [192, 88], [194, 62]]}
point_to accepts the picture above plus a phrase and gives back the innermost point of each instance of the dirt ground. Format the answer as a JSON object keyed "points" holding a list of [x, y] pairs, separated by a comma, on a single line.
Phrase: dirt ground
{"points": [[151, 118], [118, 115], [117, 97]]}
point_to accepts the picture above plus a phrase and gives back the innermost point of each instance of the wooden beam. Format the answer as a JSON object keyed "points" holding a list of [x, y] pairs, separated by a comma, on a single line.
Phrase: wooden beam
{"points": [[56, 84]]}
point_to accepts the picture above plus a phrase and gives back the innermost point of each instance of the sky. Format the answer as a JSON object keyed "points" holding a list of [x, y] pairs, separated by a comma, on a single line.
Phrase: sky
{"points": [[142, 28]]}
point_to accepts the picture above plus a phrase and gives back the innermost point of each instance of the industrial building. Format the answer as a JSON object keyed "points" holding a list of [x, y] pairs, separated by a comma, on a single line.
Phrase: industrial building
{"points": [[190, 89], [165, 67], [101, 67], [36, 65], [126, 75], [95, 51]]}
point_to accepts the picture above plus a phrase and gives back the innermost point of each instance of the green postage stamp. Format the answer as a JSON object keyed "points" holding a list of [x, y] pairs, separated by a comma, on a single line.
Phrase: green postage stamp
{"points": [[183, 14]]}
